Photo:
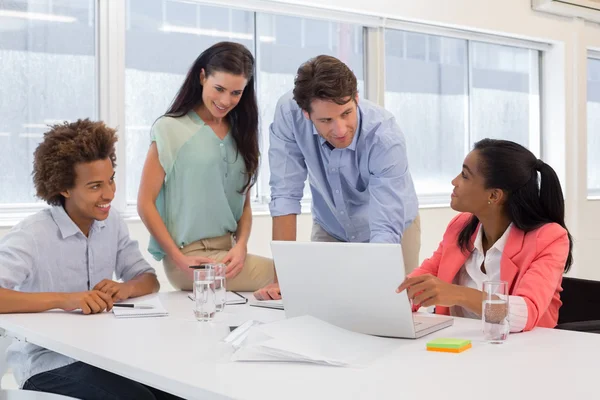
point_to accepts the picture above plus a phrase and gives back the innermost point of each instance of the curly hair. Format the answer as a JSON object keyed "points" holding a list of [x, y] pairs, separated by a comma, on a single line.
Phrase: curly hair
{"points": [[326, 78], [64, 146]]}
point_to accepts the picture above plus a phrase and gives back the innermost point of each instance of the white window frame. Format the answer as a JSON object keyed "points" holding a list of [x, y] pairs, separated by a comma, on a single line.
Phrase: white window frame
{"points": [[592, 195], [111, 26]]}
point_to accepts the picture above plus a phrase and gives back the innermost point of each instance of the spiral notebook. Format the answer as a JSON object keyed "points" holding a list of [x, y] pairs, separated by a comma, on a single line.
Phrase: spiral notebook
{"points": [[233, 298], [152, 300]]}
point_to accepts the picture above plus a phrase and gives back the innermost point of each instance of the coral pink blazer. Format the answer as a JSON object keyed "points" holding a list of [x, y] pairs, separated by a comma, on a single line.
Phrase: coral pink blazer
{"points": [[532, 264]]}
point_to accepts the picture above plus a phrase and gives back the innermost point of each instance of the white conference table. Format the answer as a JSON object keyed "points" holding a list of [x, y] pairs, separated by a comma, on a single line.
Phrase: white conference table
{"points": [[179, 355]]}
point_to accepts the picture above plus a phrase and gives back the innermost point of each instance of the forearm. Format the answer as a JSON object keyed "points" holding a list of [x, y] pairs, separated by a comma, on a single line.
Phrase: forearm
{"points": [[143, 284], [244, 224], [469, 298], [12, 301], [157, 228], [284, 227]]}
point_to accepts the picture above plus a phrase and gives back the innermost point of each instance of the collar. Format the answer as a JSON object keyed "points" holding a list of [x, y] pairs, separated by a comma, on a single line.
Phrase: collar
{"points": [[193, 115], [500, 243], [67, 226]]}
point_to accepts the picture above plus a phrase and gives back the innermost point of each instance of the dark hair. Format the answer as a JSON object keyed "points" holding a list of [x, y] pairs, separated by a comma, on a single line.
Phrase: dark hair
{"points": [[325, 78], [235, 59], [512, 168], [64, 146]]}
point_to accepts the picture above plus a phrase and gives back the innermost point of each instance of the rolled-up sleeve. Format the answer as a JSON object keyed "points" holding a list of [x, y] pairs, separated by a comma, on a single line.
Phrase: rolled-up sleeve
{"points": [[393, 204], [17, 257], [287, 166], [130, 262]]}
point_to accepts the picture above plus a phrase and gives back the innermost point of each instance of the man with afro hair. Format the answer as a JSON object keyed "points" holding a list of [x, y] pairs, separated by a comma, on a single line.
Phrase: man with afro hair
{"points": [[64, 257]]}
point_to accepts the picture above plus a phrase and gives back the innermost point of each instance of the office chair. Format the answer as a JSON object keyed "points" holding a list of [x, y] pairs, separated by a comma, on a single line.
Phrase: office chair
{"points": [[581, 305]]}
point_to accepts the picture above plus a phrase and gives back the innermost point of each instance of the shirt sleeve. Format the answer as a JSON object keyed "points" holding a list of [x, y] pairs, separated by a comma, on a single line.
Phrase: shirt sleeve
{"points": [[517, 313], [166, 147], [287, 165], [130, 262], [393, 202], [17, 258]]}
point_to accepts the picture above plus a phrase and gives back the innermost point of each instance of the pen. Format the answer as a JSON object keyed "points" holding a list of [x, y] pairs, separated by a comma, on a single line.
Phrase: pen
{"points": [[142, 306]]}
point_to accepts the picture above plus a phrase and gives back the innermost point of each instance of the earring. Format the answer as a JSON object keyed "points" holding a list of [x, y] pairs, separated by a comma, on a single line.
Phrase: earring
{"points": [[489, 202]]}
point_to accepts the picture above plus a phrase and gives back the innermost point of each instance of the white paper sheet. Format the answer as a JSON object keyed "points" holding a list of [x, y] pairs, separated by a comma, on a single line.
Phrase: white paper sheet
{"points": [[152, 300], [308, 339]]}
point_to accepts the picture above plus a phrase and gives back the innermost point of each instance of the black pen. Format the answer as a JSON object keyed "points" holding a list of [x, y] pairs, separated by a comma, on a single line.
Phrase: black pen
{"points": [[129, 305], [243, 297]]}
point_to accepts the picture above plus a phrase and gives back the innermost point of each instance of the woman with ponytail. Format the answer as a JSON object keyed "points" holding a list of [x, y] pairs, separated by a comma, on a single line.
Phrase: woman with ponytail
{"points": [[511, 227], [194, 194]]}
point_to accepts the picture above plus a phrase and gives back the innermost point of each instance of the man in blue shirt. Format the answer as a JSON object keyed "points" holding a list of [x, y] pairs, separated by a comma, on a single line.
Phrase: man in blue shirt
{"points": [[64, 258], [354, 155]]}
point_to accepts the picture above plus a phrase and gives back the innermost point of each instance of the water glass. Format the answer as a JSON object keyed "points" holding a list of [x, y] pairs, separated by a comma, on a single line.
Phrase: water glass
{"points": [[494, 313], [204, 293], [220, 287]]}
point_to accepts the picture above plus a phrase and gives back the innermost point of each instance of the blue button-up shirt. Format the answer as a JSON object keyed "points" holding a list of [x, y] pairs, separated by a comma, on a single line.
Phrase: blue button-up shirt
{"points": [[362, 193], [47, 252]]}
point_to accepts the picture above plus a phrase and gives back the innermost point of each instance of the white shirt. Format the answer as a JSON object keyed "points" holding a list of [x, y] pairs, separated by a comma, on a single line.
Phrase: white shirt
{"points": [[471, 275]]}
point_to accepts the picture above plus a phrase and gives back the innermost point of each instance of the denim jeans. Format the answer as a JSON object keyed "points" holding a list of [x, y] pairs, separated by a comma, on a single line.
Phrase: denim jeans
{"points": [[83, 381]]}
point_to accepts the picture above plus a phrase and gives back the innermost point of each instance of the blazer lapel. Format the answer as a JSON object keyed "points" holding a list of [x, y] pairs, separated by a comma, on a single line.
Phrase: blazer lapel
{"points": [[514, 244]]}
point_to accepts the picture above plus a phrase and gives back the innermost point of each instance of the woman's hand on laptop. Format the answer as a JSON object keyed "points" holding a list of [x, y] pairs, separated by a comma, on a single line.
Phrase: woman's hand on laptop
{"points": [[269, 292], [428, 290]]}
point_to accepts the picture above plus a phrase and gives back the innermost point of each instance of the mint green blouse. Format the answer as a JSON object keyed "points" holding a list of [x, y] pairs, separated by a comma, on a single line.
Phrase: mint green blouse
{"points": [[200, 197]]}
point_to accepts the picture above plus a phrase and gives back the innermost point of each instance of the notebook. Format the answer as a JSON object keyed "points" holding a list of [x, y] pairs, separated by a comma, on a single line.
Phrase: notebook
{"points": [[276, 304], [233, 298], [153, 300]]}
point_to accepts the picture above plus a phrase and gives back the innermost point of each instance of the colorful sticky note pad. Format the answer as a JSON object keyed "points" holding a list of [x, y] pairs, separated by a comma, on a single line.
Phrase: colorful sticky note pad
{"points": [[448, 345]]}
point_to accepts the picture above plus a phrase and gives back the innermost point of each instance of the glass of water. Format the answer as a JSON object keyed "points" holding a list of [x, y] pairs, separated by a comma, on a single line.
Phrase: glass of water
{"points": [[204, 292], [220, 287], [494, 313]]}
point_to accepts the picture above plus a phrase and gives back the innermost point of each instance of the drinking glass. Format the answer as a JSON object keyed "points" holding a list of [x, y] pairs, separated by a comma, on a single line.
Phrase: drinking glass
{"points": [[494, 313], [204, 293]]}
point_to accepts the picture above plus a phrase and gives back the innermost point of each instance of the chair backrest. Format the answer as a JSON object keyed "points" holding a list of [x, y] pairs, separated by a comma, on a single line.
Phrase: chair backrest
{"points": [[581, 300], [411, 245]]}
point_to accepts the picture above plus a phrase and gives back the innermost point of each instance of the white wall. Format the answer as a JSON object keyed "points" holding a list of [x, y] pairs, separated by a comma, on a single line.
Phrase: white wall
{"points": [[564, 106]]}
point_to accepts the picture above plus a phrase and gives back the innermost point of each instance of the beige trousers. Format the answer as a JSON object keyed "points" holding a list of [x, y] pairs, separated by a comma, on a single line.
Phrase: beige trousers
{"points": [[257, 272], [411, 242]]}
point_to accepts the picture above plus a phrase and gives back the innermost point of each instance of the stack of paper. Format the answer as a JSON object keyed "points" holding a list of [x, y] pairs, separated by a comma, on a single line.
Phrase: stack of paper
{"points": [[308, 339], [157, 309], [449, 345]]}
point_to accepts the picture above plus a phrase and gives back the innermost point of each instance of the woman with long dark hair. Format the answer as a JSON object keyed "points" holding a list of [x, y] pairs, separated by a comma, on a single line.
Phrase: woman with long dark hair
{"points": [[511, 228], [194, 195]]}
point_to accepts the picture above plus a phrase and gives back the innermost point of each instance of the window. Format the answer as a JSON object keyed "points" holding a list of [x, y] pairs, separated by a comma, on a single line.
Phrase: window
{"points": [[163, 39], [448, 93], [284, 43], [46, 77], [593, 126]]}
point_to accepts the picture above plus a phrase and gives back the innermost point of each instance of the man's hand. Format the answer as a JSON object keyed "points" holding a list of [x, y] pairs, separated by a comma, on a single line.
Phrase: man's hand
{"points": [[428, 290], [235, 259], [91, 302], [117, 291], [269, 292]]}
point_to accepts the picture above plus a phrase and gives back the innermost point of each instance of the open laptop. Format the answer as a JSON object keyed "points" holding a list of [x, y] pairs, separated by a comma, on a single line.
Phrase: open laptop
{"points": [[351, 285]]}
